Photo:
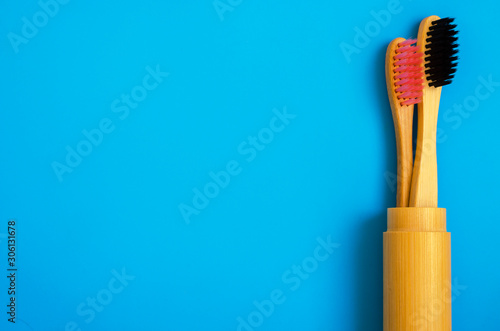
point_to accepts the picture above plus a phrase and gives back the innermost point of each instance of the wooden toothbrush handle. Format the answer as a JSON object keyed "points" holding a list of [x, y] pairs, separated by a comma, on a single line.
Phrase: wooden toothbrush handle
{"points": [[405, 155], [403, 125], [424, 183], [417, 270]]}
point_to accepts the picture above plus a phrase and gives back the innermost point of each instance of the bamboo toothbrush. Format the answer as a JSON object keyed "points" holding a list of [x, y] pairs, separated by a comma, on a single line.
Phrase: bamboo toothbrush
{"points": [[404, 79], [437, 38], [417, 248]]}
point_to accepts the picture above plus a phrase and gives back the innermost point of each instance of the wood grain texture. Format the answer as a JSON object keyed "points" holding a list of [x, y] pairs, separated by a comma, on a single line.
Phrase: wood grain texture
{"points": [[417, 270], [403, 126], [424, 183]]}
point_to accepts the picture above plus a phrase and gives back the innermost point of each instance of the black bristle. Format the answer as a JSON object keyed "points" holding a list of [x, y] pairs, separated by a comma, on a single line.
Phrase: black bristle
{"points": [[440, 52]]}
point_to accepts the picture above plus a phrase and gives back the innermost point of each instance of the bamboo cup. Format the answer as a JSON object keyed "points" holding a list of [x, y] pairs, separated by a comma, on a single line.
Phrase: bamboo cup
{"points": [[417, 270]]}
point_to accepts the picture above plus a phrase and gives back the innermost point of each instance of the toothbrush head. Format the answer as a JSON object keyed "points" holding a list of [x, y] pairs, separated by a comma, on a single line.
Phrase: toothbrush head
{"points": [[405, 66], [441, 50]]}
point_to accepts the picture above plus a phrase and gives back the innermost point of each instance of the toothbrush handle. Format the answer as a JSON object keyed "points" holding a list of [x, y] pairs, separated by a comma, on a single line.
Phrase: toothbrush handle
{"points": [[417, 270], [404, 127], [424, 183]]}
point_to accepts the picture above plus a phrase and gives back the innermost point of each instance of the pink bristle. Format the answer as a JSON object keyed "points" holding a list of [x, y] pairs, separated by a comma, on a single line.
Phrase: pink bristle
{"points": [[408, 42], [408, 73]]}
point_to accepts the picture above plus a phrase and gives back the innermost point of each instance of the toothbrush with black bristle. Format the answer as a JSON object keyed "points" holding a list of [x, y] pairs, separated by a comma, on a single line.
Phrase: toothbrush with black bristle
{"points": [[437, 39]]}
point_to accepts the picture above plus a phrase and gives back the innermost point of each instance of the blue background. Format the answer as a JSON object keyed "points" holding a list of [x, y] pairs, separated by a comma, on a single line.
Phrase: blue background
{"points": [[328, 173]]}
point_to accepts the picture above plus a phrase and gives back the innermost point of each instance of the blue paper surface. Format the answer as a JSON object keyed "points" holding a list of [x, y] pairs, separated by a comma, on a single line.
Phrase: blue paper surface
{"points": [[227, 165]]}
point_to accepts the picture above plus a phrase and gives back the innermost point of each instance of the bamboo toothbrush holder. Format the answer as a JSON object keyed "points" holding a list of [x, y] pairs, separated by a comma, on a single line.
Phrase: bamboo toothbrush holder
{"points": [[417, 270]]}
